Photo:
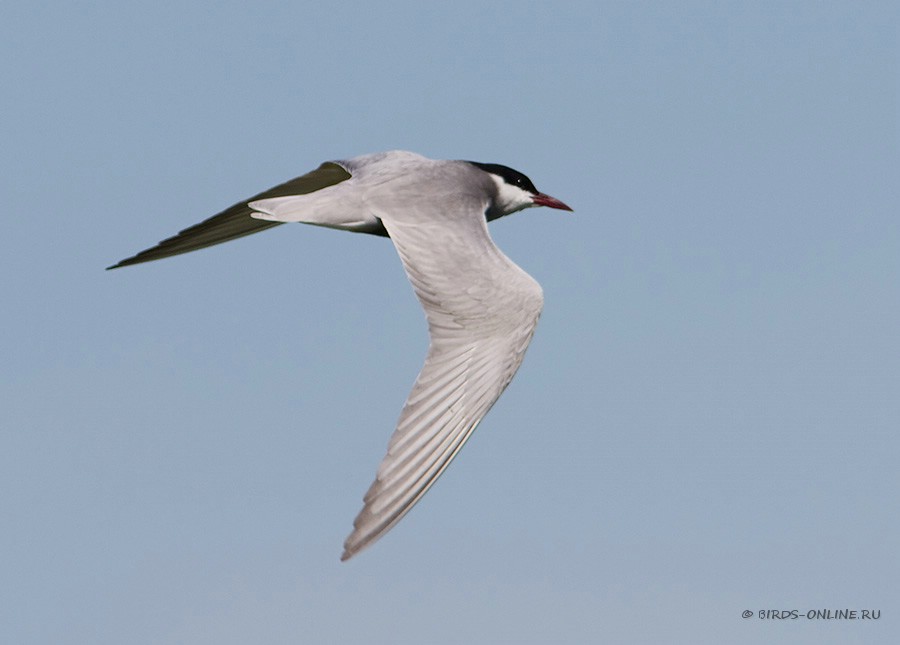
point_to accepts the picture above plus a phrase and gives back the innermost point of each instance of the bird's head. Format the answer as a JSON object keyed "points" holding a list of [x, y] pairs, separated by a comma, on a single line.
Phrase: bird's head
{"points": [[515, 191]]}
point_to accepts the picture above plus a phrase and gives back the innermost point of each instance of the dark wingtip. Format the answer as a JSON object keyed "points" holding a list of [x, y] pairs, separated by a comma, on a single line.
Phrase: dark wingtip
{"points": [[237, 221], [126, 262]]}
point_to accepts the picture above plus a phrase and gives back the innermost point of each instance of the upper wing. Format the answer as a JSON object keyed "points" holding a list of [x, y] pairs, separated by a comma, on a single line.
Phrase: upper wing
{"points": [[482, 310], [236, 221]]}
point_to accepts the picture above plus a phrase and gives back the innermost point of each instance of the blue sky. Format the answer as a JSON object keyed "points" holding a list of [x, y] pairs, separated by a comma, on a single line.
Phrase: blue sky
{"points": [[706, 421]]}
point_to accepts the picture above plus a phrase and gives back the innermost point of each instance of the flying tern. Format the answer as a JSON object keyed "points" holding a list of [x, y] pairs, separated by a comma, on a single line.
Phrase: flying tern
{"points": [[481, 308]]}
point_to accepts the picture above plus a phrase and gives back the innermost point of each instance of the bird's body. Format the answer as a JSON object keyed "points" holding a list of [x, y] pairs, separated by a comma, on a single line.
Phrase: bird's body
{"points": [[481, 308]]}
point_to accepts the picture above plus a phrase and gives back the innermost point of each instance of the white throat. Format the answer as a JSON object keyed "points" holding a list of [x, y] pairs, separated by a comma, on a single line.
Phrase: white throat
{"points": [[510, 198]]}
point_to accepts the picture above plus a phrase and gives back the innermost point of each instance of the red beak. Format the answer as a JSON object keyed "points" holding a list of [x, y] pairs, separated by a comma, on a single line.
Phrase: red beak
{"points": [[545, 200]]}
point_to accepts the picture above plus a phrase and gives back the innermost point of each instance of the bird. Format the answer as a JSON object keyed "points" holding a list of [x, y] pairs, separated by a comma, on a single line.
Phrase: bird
{"points": [[480, 307]]}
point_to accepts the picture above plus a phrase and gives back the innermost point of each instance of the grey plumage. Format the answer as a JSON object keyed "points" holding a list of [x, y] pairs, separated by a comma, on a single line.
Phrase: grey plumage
{"points": [[481, 308]]}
